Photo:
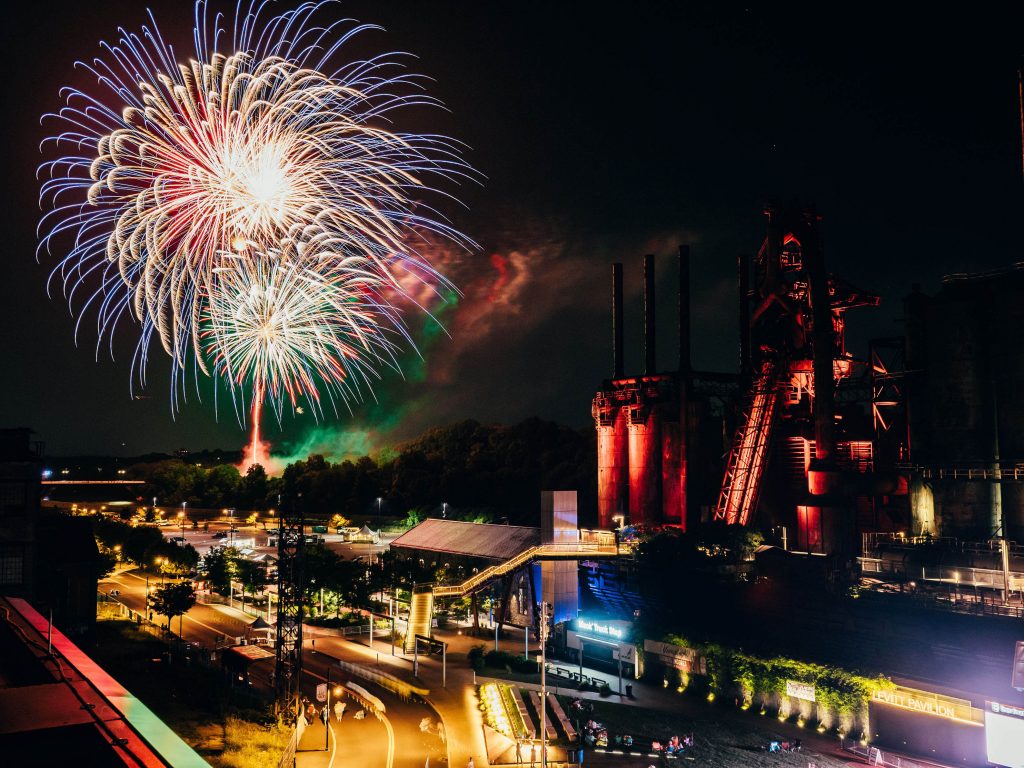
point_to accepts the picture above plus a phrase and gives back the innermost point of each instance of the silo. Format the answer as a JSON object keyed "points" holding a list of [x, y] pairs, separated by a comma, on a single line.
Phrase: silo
{"points": [[644, 464], [612, 467]]}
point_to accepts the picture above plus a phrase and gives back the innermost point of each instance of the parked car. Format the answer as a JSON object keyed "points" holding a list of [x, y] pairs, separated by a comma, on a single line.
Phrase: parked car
{"points": [[220, 535]]}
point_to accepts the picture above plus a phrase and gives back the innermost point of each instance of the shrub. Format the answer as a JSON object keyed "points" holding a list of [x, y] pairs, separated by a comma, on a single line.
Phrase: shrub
{"points": [[476, 657]]}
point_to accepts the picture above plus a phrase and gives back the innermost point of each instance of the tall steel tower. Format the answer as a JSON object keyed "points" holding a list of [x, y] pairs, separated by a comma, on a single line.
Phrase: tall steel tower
{"points": [[290, 592]]}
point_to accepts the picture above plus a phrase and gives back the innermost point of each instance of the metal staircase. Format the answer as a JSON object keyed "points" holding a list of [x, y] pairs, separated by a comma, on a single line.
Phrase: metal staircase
{"points": [[742, 482], [421, 613]]}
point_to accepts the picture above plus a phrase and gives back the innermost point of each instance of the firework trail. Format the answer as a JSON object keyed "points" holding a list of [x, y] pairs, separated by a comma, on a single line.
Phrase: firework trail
{"points": [[256, 186]]}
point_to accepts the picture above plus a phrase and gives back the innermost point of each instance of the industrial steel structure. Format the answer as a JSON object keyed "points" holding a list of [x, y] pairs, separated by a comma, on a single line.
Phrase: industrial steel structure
{"points": [[792, 413], [290, 592]]}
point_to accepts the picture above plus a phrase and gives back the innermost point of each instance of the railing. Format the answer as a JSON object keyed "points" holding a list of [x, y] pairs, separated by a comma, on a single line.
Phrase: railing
{"points": [[544, 550], [1015, 474], [875, 756], [963, 576], [965, 604], [872, 541]]}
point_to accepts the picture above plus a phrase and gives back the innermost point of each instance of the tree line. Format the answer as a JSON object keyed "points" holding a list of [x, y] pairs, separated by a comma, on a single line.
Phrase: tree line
{"points": [[477, 471]]}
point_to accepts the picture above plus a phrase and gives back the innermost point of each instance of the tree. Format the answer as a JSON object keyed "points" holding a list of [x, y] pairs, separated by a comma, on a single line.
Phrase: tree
{"points": [[253, 576], [173, 600], [339, 521], [219, 568]]}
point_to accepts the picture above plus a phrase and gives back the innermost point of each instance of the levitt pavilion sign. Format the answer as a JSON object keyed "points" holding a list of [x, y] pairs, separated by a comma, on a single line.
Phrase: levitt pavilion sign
{"points": [[929, 704]]}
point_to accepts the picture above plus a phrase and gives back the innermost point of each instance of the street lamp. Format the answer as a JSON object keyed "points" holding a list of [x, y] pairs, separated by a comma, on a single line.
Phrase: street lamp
{"points": [[181, 519], [444, 510]]}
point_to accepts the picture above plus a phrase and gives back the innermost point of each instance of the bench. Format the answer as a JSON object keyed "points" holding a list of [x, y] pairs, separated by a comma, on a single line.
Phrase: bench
{"points": [[531, 730], [570, 732], [549, 729]]}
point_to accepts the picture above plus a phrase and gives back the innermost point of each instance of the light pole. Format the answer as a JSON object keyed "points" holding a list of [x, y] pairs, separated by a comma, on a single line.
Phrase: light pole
{"points": [[181, 519], [544, 607], [444, 510], [327, 720], [154, 507]]}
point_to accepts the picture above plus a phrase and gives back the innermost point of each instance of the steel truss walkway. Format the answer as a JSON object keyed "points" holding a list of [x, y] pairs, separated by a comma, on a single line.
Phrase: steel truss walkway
{"points": [[742, 482], [423, 595]]}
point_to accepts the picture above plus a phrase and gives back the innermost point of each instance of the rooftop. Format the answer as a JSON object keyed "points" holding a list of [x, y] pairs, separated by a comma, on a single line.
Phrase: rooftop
{"points": [[67, 702], [483, 540]]}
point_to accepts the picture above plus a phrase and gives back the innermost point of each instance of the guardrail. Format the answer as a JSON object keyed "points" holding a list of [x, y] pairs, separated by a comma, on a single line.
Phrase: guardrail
{"points": [[965, 604], [875, 756], [573, 549]]}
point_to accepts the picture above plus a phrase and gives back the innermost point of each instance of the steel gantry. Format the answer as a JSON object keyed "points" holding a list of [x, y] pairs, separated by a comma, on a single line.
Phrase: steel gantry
{"points": [[290, 593]]}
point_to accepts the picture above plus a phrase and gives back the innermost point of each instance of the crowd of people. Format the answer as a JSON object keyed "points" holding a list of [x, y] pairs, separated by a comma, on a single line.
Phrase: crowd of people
{"points": [[595, 734]]}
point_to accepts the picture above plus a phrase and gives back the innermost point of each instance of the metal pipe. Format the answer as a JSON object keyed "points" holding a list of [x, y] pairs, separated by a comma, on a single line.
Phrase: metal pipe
{"points": [[821, 313], [617, 334], [650, 351]]}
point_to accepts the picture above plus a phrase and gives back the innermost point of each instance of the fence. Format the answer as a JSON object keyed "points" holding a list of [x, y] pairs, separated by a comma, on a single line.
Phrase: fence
{"points": [[956, 603], [875, 756], [288, 758]]}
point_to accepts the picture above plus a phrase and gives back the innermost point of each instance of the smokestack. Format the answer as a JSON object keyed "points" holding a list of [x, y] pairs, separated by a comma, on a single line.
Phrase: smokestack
{"points": [[650, 356], [685, 362], [617, 345], [743, 268]]}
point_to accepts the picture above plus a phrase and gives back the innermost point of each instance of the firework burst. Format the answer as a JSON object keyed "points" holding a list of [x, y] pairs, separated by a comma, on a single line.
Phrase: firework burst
{"points": [[258, 188]]}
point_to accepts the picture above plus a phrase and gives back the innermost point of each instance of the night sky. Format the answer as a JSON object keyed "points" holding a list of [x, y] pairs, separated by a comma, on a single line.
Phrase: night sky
{"points": [[603, 135]]}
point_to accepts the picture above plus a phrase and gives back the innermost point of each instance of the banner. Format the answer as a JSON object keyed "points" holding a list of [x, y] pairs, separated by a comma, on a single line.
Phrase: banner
{"points": [[798, 690]]}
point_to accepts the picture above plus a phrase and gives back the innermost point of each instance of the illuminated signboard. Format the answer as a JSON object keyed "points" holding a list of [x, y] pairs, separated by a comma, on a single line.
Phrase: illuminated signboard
{"points": [[929, 704], [800, 690], [596, 628], [1004, 734]]}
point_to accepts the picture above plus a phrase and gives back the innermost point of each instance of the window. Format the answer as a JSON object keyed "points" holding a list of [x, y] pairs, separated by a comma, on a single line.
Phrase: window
{"points": [[12, 564], [12, 497]]}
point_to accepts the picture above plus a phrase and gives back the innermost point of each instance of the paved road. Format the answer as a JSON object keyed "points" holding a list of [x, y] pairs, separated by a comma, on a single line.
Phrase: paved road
{"points": [[357, 743]]}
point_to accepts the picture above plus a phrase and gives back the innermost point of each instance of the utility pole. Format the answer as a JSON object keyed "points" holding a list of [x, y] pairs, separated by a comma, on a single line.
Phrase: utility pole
{"points": [[544, 615]]}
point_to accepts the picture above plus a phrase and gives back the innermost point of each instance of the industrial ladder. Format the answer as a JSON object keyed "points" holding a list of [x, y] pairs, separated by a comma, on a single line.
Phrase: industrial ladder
{"points": [[742, 482]]}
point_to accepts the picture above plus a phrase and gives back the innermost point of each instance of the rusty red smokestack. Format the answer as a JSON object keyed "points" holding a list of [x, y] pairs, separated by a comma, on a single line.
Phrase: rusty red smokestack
{"points": [[617, 343], [650, 355]]}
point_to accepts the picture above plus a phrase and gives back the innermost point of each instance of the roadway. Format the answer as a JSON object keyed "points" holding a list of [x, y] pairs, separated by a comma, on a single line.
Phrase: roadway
{"points": [[408, 732]]}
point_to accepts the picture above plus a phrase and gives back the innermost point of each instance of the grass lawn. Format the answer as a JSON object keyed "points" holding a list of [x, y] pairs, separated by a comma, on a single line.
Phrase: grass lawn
{"points": [[224, 725]]}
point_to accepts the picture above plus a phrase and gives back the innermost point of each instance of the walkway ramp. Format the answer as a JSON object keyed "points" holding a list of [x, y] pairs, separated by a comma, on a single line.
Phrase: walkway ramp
{"points": [[581, 549], [741, 485]]}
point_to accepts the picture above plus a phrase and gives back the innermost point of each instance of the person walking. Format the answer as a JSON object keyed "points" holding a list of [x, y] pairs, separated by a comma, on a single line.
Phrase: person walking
{"points": [[339, 710], [471, 763]]}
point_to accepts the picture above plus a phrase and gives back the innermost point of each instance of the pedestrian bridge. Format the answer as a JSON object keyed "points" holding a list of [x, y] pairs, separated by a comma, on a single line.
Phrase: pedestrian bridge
{"points": [[591, 544]]}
